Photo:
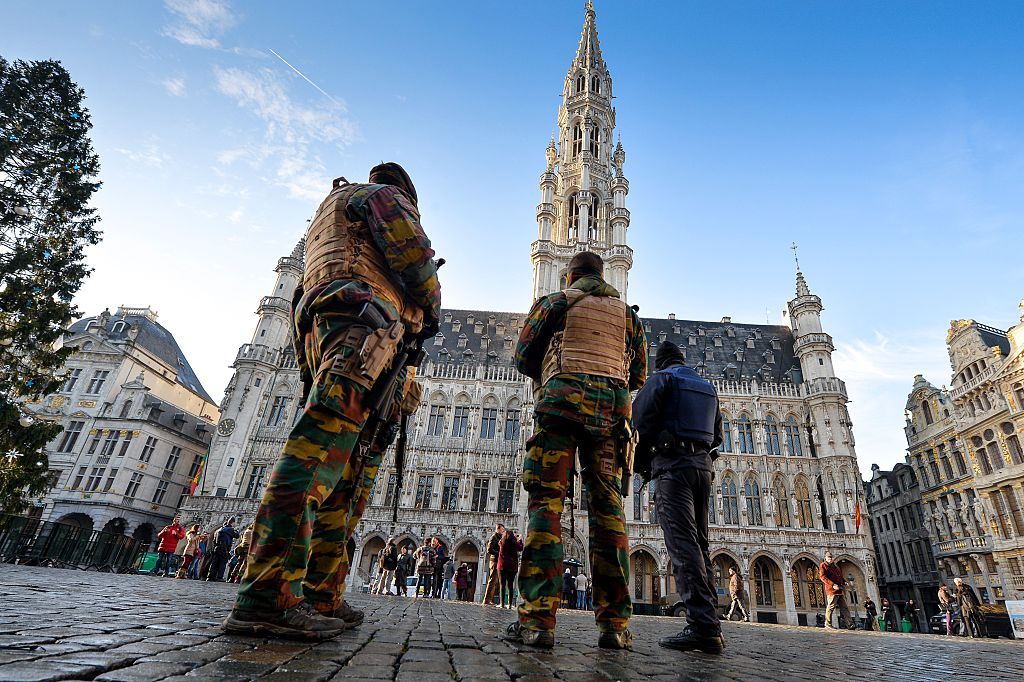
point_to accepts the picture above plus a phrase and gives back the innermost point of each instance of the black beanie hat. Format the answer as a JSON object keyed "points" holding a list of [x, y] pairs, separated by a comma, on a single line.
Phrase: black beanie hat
{"points": [[391, 173], [668, 355]]}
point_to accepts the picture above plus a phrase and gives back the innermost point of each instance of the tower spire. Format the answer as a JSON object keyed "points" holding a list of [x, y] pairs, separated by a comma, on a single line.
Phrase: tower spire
{"points": [[801, 284], [589, 53]]}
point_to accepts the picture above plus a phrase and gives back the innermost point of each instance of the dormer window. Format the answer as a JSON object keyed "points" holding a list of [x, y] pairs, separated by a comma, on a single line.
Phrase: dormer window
{"points": [[447, 317], [709, 354], [478, 328], [456, 325], [770, 358], [701, 331], [692, 340], [119, 327], [776, 344], [730, 372], [484, 342], [662, 336], [718, 341], [757, 334], [463, 340], [508, 342], [750, 343], [647, 326], [730, 332], [470, 318], [439, 339], [499, 329], [739, 355], [676, 329]]}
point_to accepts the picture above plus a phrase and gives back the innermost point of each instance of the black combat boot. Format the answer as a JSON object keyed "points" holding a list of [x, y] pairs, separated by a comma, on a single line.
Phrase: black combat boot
{"points": [[301, 621], [690, 640], [538, 639], [352, 616], [623, 639]]}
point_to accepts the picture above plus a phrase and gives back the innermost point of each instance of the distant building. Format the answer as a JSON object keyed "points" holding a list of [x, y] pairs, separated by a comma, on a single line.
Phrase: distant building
{"points": [[903, 552], [965, 447], [137, 423], [786, 484]]}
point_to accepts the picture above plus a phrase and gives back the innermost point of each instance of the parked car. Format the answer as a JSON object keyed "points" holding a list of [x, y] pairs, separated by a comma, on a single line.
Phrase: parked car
{"points": [[997, 622]]}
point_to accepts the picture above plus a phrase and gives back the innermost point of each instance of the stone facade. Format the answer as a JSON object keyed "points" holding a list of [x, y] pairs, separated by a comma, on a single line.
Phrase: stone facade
{"points": [[902, 546], [965, 447], [787, 480], [137, 423]]}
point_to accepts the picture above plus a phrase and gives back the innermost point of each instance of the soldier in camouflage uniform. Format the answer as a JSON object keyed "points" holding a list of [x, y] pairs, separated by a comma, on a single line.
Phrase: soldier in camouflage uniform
{"points": [[585, 350], [370, 281]]}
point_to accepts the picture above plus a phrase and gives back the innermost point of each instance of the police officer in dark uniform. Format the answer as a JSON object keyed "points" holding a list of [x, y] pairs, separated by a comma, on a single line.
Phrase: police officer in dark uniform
{"points": [[677, 416]]}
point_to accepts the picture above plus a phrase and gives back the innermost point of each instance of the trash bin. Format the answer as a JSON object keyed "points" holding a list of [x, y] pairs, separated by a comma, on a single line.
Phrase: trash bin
{"points": [[905, 625], [881, 623]]}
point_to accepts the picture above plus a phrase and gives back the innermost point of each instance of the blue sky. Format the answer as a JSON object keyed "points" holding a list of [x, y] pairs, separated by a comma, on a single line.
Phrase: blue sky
{"points": [[883, 137]]}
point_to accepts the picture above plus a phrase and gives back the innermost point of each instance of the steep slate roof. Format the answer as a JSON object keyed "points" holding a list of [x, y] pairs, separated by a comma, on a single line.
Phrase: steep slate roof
{"points": [[154, 338], [463, 342], [993, 337]]}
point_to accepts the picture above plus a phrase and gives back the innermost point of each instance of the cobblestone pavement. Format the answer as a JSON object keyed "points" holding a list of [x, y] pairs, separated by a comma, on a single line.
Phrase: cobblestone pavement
{"points": [[70, 625]]}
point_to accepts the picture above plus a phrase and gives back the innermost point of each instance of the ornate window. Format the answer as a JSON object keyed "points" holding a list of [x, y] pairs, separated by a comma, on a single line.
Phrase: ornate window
{"points": [[803, 504], [277, 410], [574, 219], [927, 409], [637, 499], [595, 85], [764, 574], [450, 493], [480, 488], [512, 424], [712, 516], [746, 436], [730, 502], [488, 422], [506, 495], [581, 82], [577, 140], [753, 494], [595, 142], [424, 489], [592, 218], [435, 424], [255, 485], [641, 574], [781, 503], [771, 429], [460, 421], [792, 430], [815, 588], [726, 434]]}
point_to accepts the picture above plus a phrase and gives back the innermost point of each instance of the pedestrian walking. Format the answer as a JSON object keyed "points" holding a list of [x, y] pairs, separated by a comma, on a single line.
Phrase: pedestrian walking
{"points": [[169, 536], [195, 568], [972, 621], [585, 350], [449, 579], [871, 613], [508, 567], [736, 594], [835, 591], [568, 589], [241, 555], [493, 549], [387, 563], [680, 425], [424, 557], [403, 570], [440, 559], [910, 612], [369, 290], [582, 585], [189, 553], [946, 606], [889, 616], [462, 583], [224, 537]]}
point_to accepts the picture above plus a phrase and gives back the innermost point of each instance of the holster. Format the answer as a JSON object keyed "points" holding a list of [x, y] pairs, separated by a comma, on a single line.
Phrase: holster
{"points": [[627, 441], [373, 351]]}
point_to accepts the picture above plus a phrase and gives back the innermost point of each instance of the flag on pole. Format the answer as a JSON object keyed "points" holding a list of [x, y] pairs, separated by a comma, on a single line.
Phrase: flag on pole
{"points": [[194, 483], [856, 517]]}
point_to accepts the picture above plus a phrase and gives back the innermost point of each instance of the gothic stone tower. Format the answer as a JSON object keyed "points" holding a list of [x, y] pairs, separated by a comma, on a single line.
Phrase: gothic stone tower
{"points": [[583, 191]]}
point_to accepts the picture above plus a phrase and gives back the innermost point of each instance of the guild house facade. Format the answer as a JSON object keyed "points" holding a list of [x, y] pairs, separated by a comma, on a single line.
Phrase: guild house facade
{"points": [[787, 480]]}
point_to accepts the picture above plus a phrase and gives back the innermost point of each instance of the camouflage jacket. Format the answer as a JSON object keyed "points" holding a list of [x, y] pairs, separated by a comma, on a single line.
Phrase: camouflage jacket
{"points": [[394, 222], [594, 401]]}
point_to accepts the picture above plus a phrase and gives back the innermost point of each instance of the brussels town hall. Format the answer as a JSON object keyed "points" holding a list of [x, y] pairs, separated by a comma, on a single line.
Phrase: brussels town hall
{"points": [[786, 485]]}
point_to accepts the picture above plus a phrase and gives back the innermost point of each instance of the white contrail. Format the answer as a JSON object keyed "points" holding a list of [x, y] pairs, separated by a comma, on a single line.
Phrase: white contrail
{"points": [[303, 76]]}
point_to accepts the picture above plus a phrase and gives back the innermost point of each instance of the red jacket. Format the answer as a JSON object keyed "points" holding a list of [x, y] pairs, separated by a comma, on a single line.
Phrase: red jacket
{"points": [[508, 555], [832, 576], [170, 536]]}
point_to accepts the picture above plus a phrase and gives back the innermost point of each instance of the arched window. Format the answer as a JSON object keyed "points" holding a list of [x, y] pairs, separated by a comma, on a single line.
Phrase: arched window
{"points": [[771, 429], [574, 219], [595, 142], [726, 434], [119, 327], [792, 430], [781, 503], [637, 499], [712, 516], [815, 588], [803, 504], [581, 82], [746, 436], [595, 204], [577, 140], [595, 85], [753, 494], [730, 502], [126, 408], [764, 575], [641, 571], [927, 409]]}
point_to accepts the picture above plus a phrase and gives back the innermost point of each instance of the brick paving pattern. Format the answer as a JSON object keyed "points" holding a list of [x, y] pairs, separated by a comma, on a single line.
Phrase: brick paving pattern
{"points": [[71, 625]]}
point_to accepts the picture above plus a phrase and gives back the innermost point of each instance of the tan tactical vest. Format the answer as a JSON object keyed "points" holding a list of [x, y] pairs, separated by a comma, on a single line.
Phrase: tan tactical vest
{"points": [[338, 247], [593, 340]]}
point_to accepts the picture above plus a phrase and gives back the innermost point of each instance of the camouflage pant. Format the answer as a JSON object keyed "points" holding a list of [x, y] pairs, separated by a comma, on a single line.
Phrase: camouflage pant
{"points": [[549, 457], [314, 499]]}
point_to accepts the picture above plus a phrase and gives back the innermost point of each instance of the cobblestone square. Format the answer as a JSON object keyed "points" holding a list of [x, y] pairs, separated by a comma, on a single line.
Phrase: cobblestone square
{"points": [[73, 625]]}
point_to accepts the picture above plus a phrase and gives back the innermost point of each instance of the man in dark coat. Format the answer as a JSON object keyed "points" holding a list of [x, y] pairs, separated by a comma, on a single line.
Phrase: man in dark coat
{"points": [[677, 416], [872, 614], [971, 618], [493, 548]]}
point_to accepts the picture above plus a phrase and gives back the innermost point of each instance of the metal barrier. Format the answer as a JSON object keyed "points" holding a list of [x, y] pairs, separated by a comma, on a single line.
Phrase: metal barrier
{"points": [[45, 543]]}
